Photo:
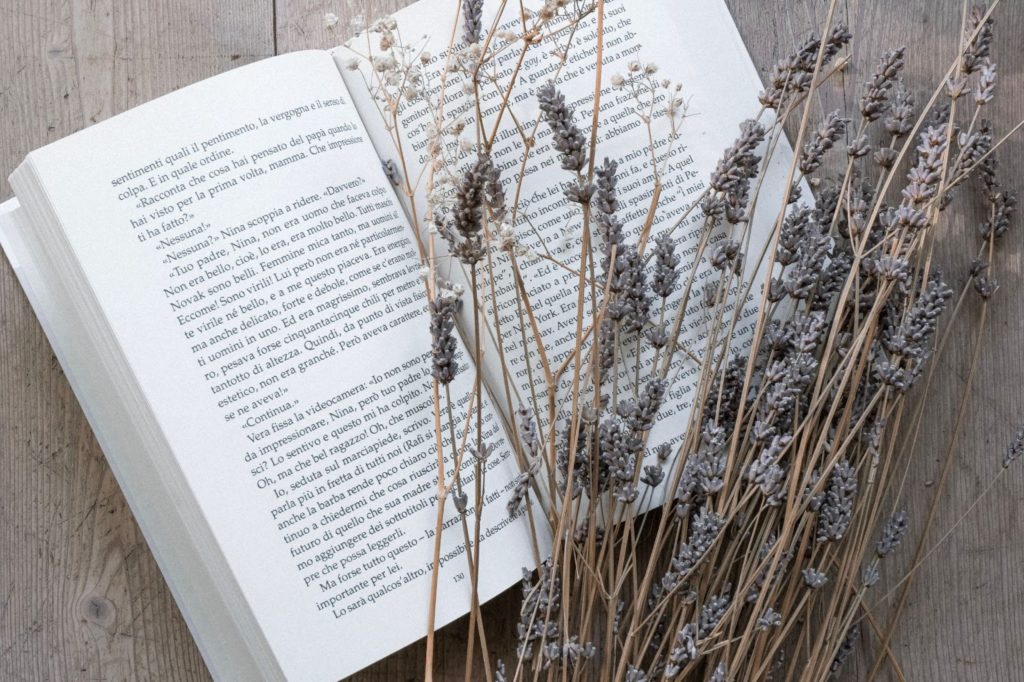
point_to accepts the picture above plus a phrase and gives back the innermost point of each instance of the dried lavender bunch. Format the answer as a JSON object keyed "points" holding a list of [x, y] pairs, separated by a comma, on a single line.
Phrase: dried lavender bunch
{"points": [[712, 477]]}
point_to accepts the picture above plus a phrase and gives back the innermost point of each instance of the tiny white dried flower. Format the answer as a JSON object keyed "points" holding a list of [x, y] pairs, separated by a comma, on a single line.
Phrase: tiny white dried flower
{"points": [[352, 64], [651, 69], [506, 237], [330, 20], [618, 80], [634, 66], [424, 273]]}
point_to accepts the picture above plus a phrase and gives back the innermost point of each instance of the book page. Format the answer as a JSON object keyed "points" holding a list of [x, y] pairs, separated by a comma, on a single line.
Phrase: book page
{"points": [[242, 244], [691, 42]]}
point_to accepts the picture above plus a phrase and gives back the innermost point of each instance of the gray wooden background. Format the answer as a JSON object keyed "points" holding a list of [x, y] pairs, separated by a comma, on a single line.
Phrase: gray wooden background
{"points": [[80, 595]]}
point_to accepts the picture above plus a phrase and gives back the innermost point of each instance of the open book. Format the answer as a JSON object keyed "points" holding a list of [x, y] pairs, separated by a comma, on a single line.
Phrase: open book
{"points": [[232, 287]]}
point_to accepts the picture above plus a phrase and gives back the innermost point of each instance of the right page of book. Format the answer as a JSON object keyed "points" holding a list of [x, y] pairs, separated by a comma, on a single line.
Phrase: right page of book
{"points": [[433, 137]]}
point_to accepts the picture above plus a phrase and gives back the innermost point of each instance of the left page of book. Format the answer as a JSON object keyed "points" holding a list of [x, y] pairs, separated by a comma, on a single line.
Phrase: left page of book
{"points": [[240, 242]]}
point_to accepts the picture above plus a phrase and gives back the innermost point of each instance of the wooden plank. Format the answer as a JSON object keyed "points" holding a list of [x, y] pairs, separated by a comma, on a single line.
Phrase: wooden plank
{"points": [[82, 597]]}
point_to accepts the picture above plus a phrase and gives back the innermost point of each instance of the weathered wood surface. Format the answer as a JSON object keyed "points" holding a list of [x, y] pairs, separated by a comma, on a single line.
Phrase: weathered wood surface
{"points": [[80, 595]]}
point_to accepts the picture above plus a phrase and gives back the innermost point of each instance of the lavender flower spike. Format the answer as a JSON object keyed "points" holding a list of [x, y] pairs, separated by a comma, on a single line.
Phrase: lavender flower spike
{"points": [[471, 24], [443, 346], [568, 140]]}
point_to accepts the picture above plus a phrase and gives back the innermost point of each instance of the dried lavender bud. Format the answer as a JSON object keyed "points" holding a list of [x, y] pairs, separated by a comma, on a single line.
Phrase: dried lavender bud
{"points": [[871, 574], [704, 471], [499, 671], [494, 195], [653, 475], [986, 88], [900, 119], [606, 198], [875, 100], [724, 254], [792, 75], [837, 508], [663, 452], [762, 575], [482, 453], [832, 128], [795, 227], [1004, 205], [606, 204], [985, 286], [769, 619], [859, 148], [630, 284], [814, 578], [684, 651], [606, 342], [568, 140], [801, 280], [444, 365], [720, 674], [471, 26], [1015, 450], [642, 418], [924, 177], [579, 192], [666, 266], [391, 172], [979, 49], [912, 338], [657, 335], [635, 674], [711, 613], [542, 600], [846, 648], [519, 491], [886, 157], [528, 435], [704, 530], [766, 472], [465, 233], [973, 148], [740, 162], [460, 500], [892, 534]]}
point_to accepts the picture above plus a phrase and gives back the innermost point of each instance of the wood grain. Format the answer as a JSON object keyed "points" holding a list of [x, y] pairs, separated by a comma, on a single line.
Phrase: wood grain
{"points": [[80, 595]]}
